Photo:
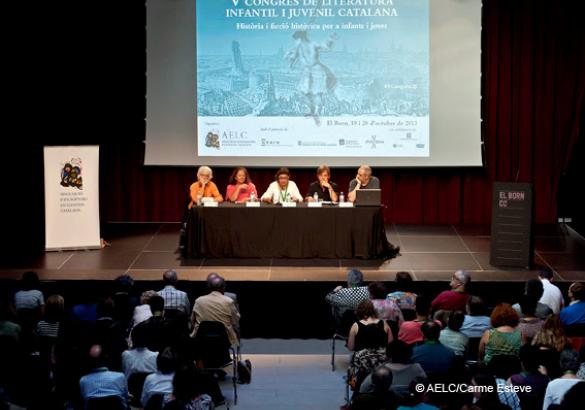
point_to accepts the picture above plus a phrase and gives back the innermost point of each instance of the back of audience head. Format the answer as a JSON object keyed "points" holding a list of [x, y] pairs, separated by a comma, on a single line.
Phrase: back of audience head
{"points": [[382, 379], [216, 284], [167, 361], [404, 281], [96, 357], [366, 310], [157, 304], [123, 283], [577, 291], [552, 334], [528, 305], [546, 273], [355, 277], [431, 330], [54, 308], [377, 290], [30, 281], [400, 352], [504, 315], [569, 361], [423, 306], [455, 320], [461, 278], [146, 296], [442, 316], [105, 308], [476, 306], [170, 278], [534, 288]]}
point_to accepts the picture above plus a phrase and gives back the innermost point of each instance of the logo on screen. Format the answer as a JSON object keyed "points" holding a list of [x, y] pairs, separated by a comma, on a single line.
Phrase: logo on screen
{"points": [[341, 141], [212, 140], [373, 141], [71, 174]]}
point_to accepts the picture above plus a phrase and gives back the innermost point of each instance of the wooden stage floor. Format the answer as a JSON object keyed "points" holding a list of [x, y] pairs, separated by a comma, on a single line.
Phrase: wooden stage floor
{"points": [[429, 253]]}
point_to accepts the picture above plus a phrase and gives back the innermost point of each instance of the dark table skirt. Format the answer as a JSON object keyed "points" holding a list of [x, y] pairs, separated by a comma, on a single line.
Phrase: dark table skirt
{"points": [[271, 231]]}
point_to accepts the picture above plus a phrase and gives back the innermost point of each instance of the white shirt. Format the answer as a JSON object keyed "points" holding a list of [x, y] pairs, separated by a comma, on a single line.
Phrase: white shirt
{"points": [[556, 389], [140, 360], [156, 383], [552, 296], [141, 313], [275, 192]]}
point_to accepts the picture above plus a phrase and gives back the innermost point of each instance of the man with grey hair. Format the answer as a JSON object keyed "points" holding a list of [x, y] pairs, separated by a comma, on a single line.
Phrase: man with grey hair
{"points": [[363, 180], [556, 389], [204, 187], [456, 298], [349, 298], [174, 299]]}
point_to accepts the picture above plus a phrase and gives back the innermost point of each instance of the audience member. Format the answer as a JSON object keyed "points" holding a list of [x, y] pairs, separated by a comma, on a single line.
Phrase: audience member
{"points": [[535, 289], [110, 334], [529, 324], [143, 312], [551, 295], [531, 376], [188, 391], [435, 358], [350, 297], [380, 397], [575, 312], [175, 299], [100, 381], [368, 332], [29, 297], [572, 400], [230, 295], [403, 296], [455, 298], [138, 359], [451, 336], [216, 307], [410, 332], [385, 309], [476, 320], [486, 399], [53, 315], [124, 300], [556, 389], [504, 338], [156, 327], [442, 316], [8, 326], [160, 382], [551, 340]]}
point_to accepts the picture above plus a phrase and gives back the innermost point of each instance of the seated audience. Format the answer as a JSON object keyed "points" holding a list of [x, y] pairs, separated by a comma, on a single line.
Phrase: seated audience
{"points": [[385, 308], [143, 312], [403, 372], [556, 389], [204, 187], [409, 331], [456, 298], [486, 398], [368, 332], [175, 299], [533, 397], [380, 397], [189, 391], [442, 316], [101, 382], [363, 180], [138, 359], [476, 321], [572, 400], [350, 297], [160, 382], [551, 340], [575, 312], [8, 326], [504, 338], [551, 295], [217, 307], [29, 297], [53, 315], [534, 289], [323, 187], [240, 188], [156, 328], [452, 337], [402, 296], [124, 300], [282, 189], [435, 358], [529, 324], [110, 334]]}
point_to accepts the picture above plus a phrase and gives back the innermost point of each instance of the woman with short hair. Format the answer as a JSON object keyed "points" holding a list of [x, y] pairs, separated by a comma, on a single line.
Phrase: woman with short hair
{"points": [[282, 189], [504, 338]]}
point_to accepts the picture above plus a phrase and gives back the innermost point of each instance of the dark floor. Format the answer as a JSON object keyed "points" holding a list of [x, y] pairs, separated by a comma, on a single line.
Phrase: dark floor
{"points": [[429, 252]]}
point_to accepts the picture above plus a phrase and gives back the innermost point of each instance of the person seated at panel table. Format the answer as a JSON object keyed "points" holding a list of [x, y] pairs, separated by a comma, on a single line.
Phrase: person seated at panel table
{"points": [[363, 180], [204, 187], [323, 187], [282, 190], [240, 187]]}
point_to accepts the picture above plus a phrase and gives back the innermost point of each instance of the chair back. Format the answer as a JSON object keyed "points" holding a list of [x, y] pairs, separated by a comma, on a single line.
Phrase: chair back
{"points": [[135, 385], [342, 322], [155, 402], [105, 403], [212, 344]]}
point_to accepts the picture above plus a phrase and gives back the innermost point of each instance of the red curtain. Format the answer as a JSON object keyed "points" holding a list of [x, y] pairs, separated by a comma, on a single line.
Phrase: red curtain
{"points": [[533, 84]]}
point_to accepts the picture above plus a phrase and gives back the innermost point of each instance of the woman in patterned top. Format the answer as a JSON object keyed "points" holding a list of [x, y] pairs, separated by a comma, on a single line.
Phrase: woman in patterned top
{"points": [[403, 297], [504, 338], [385, 308]]}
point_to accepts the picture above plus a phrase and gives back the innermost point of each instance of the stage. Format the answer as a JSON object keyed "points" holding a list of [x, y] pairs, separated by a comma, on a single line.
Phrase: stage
{"points": [[428, 252]]}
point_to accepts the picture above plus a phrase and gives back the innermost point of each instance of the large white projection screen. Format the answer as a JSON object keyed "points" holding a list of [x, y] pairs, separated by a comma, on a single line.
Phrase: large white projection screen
{"points": [[453, 98]]}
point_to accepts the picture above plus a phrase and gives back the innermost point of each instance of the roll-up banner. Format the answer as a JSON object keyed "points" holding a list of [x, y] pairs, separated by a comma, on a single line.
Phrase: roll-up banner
{"points": [[72, 217]]}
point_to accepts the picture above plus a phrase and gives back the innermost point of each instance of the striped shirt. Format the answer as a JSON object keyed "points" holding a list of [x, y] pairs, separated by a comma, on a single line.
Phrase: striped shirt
{"points": [[175, 299], [48, 329], [28, 299]]}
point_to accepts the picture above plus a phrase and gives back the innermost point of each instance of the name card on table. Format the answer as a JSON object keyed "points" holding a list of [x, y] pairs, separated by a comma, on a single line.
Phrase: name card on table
{"points": [[315, 204], [252, 204], [346, 204], [289, 204], [210, 204]]}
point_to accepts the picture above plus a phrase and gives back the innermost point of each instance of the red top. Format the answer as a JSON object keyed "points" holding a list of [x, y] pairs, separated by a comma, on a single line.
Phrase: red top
{"points": [[450, 300], [244, 193]]}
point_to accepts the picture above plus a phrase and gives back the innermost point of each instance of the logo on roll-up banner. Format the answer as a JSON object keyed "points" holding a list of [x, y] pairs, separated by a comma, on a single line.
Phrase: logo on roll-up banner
{"points": [[212, 140], [71, 174]]}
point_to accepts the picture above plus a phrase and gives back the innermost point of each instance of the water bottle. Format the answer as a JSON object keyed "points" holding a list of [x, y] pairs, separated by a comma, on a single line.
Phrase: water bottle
{"points": [[316, 197], [252, 199], [341, 197]]}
